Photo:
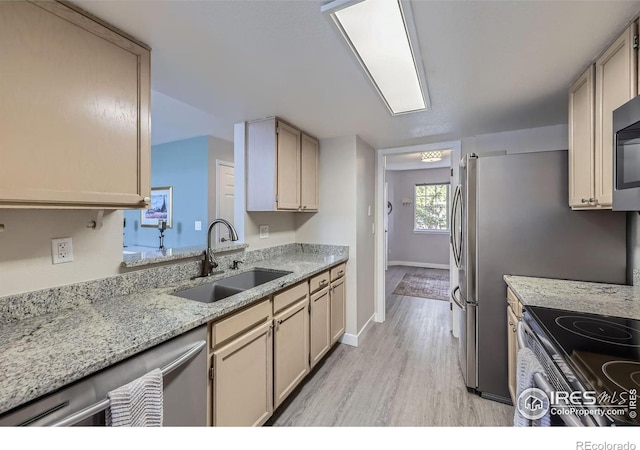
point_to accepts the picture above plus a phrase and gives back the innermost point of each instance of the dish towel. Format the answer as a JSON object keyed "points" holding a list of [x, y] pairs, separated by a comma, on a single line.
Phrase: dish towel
{"points": [[528, 366], [137, 404]]}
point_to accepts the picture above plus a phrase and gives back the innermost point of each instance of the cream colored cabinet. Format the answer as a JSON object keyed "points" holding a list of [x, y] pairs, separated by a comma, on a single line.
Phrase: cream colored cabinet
{"points": [[582, 140], [320, 325], [74, 110], [309, 198], [611, 82], [282, 167], [291, 349], [514, 314], [241, 375], [512, 349], [338, 306]]}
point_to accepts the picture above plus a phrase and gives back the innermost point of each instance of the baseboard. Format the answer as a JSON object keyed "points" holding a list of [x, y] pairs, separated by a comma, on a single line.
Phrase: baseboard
{"points": [[352, 339], [419, 264]]}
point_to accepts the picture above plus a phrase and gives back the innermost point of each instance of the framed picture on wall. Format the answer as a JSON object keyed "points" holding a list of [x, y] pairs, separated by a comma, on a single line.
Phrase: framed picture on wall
{"points": [[161, 208]]}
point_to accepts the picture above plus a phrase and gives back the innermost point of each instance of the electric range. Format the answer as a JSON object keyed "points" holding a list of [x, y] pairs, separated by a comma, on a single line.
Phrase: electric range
{"points": [[588, 353]]}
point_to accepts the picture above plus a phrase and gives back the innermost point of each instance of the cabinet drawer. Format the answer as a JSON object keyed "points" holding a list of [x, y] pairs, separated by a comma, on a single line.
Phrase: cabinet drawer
{"points": [[240, 322], [285, 298], [338, 271], [515, 304], [318, 282]]}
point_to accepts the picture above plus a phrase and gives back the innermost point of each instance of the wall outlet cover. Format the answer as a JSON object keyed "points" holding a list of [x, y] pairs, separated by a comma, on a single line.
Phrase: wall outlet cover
{"points": [[61, 250], [264, 231], [198, 225]]}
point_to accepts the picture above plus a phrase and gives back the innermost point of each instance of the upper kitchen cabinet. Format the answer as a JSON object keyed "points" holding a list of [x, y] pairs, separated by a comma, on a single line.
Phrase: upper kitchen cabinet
{"points": [[74, 110], [282, 167], [605, 86]]}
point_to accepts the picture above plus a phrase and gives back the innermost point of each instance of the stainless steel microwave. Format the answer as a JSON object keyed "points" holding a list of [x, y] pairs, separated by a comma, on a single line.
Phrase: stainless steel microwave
{"points": [[626, 156]]}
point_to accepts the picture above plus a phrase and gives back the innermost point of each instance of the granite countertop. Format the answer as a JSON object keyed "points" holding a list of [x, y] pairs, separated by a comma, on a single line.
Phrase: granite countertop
{"points": [[596, 298], [44, 353], [146, 258]]}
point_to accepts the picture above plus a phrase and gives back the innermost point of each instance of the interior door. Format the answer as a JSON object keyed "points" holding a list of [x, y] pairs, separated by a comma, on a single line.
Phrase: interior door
{"points": [[386, 225], [225, 196]]}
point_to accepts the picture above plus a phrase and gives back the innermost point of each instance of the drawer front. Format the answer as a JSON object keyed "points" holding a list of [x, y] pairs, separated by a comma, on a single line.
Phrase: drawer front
{"points": [[338, 271], [285, 298], [515, 304], [318, 282], [225, 329]]}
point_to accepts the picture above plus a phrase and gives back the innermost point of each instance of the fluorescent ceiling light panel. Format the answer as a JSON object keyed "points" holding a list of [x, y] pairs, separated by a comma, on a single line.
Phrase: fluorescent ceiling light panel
{"points": [[378, 34]]}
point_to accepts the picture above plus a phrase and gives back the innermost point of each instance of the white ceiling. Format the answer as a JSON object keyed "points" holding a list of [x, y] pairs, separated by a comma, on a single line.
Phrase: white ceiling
{"points": [[490, 66], [413, 161]]}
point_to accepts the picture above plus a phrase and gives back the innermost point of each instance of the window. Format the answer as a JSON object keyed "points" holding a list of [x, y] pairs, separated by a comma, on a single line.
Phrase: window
{"points": [[431, 207]]}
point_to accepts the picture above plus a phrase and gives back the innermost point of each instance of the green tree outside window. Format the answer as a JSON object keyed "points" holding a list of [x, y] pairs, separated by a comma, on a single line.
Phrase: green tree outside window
{"points": [[431, 207]]}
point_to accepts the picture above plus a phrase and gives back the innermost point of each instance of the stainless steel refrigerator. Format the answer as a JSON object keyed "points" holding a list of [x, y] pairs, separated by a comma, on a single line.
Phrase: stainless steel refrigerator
{"points": [[510, 215]]}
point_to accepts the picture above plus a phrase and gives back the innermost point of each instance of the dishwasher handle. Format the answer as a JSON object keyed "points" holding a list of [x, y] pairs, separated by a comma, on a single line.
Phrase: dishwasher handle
{"points": [[105, 403]]}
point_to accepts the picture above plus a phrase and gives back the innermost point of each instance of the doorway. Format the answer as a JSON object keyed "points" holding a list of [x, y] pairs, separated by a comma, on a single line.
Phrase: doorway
{"points": [[413, 253], [225, 195]]}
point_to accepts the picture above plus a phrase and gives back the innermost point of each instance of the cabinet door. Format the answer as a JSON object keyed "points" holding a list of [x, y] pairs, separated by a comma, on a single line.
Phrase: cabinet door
{"points": [[320, 325], [615, 85], [74, 110], [309, 174], [288, 167], [582, 140], [291, 349], [338, 309], [512, 345], [243, 388]]}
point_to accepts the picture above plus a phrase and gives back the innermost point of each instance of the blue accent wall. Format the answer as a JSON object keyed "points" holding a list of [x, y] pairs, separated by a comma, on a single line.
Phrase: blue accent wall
{"points": [[184, 165]]}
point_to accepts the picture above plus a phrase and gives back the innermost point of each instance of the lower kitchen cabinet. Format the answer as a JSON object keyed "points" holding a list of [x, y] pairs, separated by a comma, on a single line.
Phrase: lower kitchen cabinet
{"points": [[242, 385], [338, 308], [291, 349], [320, 325], [514, 314]]}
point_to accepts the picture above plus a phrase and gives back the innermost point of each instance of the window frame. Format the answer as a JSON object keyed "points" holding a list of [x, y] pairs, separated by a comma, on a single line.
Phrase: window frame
{"points": [[415, 204]]}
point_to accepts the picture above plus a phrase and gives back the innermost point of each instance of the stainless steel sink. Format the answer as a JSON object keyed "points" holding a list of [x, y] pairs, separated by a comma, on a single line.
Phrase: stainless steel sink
{"points": [[226, 287], [252, 278]]}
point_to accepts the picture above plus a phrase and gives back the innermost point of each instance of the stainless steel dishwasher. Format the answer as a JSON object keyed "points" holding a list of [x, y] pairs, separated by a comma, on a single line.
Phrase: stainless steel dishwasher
{"points": [[183, 361]]}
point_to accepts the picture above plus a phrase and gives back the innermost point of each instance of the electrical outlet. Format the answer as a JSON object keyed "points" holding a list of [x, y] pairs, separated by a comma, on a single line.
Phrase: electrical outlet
{"points": [[61, 250], [264, 231], [198, 225]]}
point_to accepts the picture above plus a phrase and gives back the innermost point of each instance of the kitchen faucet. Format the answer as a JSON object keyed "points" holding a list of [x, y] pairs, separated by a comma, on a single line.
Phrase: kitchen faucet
{"points": [[209, 262]]}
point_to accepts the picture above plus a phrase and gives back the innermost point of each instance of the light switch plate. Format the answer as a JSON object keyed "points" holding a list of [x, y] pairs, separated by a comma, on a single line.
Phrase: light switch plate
{"points": [[61, 250], [264, 231], [198, 225]]}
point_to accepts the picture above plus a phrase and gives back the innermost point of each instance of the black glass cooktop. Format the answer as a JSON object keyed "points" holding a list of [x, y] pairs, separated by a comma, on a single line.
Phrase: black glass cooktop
{"points": [[603, 351]]}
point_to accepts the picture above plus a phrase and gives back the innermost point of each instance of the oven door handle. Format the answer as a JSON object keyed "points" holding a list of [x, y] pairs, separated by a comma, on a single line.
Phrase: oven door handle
{"points": [[522, 329]]}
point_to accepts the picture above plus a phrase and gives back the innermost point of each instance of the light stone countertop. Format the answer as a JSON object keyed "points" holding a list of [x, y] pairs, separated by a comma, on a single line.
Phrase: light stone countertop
{"points": [[146, 258], [45, 353], [596, 298]]}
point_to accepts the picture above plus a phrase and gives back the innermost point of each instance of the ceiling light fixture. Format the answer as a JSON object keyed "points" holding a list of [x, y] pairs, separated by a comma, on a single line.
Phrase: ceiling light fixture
{"points": [[382, 35], [435, 155]]}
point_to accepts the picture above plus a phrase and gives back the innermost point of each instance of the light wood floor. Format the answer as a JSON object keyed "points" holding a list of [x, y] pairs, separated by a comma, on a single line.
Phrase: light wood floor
{"points": [[404, 373]]}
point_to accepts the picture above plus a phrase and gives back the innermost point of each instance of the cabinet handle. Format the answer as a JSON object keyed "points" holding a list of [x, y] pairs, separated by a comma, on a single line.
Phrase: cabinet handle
{"points": [[591, 201], [584, 200], [279, 321], [323, 282], [513, 326], [304, 207], [341, 273], [146, 199]]}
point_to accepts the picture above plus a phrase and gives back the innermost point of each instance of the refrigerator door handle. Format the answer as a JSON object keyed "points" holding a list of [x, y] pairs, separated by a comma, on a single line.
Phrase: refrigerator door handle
{"points": [[455, 299], [455, 242]]}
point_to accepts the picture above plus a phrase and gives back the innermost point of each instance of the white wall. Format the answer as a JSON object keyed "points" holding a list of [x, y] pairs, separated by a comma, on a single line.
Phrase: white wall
{"points": [[25, 256], [555, 137], [365, 215], [405, 245]]}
